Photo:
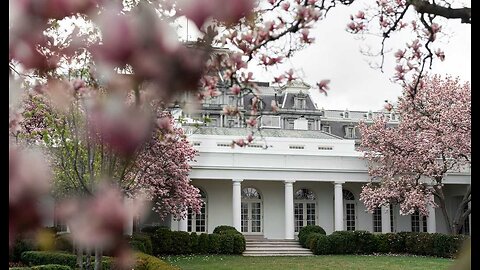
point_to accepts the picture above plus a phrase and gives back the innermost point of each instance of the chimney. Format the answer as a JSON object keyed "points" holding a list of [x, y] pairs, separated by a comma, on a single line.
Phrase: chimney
{"points": [[300, 123]]}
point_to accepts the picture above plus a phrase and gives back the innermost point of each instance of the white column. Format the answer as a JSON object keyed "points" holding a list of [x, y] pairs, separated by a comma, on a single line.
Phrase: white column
{"points": [[338, 210], [182, 223], [289, 224], [128, 227], [431, 222], [237, 204], [386, 219]]}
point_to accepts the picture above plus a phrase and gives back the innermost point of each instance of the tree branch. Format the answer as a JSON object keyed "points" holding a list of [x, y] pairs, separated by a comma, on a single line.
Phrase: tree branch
{"points": [[422, 6]]}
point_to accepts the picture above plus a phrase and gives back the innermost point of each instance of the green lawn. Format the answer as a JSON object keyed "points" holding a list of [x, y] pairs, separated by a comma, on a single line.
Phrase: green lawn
{"points": [[327, 262]]}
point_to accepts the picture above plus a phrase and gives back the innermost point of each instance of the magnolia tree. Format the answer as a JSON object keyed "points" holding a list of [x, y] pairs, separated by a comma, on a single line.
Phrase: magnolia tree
{"points": [[409, 162], [137, 37]]}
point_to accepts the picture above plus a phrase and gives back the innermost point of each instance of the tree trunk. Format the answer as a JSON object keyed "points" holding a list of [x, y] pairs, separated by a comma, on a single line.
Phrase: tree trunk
{"points": [[98, 258], [79, 257]]}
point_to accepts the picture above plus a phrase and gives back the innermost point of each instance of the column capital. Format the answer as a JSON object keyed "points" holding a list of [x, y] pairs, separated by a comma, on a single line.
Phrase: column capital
{"points": [[339, 182], [237, 180], [289, 181]]}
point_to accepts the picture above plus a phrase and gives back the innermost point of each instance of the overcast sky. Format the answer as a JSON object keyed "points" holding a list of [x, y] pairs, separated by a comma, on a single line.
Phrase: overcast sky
{"points": [[336, 55]]}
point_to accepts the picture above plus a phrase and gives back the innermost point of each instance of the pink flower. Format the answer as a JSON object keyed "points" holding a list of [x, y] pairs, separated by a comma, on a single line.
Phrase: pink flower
{"points": [[235, 90], [285, 5], [274, 106], [252, 121], [440, 54], [323, 86]]}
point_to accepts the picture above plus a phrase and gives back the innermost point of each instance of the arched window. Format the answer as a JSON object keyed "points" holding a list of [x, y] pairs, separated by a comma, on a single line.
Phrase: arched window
{"points": [[251, 211], [198, 222], [304, 208], [349, 210]]}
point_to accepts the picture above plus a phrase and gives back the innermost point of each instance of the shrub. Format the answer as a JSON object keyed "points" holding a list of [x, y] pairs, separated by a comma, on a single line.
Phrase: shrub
{"points": [[194, 243], [239, 244], [323, 245], [163, 241], [342, 242], [203, 243], [21, 245], [180, 243], [153, 228], [43, 267], [311, 241], [145, 241], [305, 231], [227, 243], [365, 242], [222, 229], [383, 244], [214, 243], [419, 243], [147, 262], [63, 242], [49, 257]]}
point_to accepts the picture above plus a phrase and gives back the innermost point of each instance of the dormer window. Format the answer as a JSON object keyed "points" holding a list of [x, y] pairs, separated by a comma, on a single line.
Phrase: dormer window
{"points": [[369, 115], [393, 117], [300, 103], [350, 132], [346, 114]]}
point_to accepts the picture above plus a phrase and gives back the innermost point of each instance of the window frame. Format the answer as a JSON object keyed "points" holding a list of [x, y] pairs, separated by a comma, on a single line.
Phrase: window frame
{"points": [[271, 121]]}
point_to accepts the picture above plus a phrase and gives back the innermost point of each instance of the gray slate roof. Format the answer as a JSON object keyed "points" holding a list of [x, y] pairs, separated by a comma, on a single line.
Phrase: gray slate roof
{"points": [[313, 134]]}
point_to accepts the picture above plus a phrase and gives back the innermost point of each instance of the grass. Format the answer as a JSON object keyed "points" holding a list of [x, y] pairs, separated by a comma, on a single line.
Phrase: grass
{"points": [[324, 262]]}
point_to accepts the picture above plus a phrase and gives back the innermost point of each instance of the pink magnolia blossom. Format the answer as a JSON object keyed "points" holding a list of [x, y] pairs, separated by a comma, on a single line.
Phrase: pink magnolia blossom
{"points": [[323, 86]]}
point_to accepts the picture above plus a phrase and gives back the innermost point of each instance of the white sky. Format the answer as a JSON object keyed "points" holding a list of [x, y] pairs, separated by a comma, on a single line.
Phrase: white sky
{"points": [[336, 55]]}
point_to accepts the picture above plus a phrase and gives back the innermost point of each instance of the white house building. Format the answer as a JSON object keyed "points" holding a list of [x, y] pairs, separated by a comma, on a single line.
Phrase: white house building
{"points": [[305, 170]]}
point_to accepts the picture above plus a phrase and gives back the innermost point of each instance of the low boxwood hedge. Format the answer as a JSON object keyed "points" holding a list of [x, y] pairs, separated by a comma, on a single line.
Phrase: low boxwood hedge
{"points": [[43, 267], [32, 258], [363, 242]]}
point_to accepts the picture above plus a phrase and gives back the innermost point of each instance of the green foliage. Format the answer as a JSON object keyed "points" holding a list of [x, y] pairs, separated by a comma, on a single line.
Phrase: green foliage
{"points": [[48, 257], [180, 243], [147, 262], [43, 267], [323, 245], [214, 243], [21, 245], [141, 242], [222, 229], [194, 243], [239, 244], [203, 244], [152, 229], [311, 241], [305, 231], [162, 240], [363, 242]]}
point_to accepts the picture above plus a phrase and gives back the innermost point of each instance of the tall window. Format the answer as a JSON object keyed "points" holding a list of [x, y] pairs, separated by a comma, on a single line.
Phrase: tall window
{"points": [[311, 125], [198, 222], [346, 114], [377, 220], [289, 124], [419, 222], [304, 208], [300, 103], [350, 132], [350, 215]]}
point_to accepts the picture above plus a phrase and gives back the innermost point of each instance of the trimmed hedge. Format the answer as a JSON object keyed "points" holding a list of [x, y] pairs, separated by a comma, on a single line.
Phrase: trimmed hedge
{"points": [[141, 242], [153, 228], [63, 242], [363, 242], [306, 231], [147, 262], [43, 267], [222, 229], [49, 257], [224, 240]]}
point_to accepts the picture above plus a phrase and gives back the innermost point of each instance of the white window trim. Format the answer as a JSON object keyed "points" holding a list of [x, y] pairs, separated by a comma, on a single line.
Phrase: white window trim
{"points": [[272, 116], [326, 126]]}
